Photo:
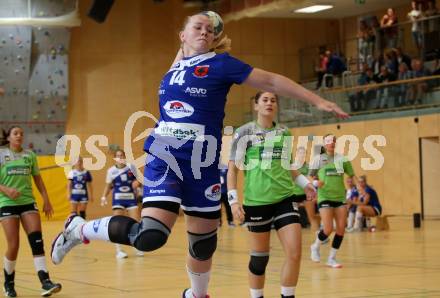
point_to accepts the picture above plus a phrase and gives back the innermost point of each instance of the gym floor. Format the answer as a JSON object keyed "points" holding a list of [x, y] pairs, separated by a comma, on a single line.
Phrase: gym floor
{"points": [[401, 262]]}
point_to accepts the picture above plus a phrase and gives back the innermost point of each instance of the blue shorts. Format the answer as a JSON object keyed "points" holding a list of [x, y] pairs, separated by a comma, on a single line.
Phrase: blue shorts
{"points": [[124, 204], [198, 193], [79, 199]]}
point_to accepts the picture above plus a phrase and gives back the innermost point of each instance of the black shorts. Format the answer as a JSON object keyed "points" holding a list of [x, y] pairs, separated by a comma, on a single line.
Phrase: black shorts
{"points": [[260, 218], [299, 198], [17, 211], [330, 204]]}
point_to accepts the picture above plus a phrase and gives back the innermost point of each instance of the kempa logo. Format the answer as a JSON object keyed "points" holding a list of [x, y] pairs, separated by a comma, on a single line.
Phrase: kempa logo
{"points": [[196, 92], [157, 191], [178, 109]]}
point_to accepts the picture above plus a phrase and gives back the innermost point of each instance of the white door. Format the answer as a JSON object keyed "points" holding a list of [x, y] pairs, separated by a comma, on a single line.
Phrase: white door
{"points": [[431, 175]]}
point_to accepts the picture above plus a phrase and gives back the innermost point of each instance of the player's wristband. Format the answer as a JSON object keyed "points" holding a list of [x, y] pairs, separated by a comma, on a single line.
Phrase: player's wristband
{"points": [[301, 181], [315, 183], [232, 197]]}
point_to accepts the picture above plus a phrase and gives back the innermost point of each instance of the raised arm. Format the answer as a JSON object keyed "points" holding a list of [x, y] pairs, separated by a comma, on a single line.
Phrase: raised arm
{"points": [[281, 85]]}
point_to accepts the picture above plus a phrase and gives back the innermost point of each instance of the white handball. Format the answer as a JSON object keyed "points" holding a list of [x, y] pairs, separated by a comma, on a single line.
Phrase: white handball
{"points": [[216, 20]]}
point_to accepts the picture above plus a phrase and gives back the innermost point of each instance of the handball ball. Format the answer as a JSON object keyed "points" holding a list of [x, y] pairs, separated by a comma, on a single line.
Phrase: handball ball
{"points": [[216, 21]]}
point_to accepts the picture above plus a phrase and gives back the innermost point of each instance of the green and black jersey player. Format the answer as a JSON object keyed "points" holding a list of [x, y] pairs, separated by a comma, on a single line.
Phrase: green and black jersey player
{"points": [[310, 205], [17, 204], [328, 170], [269, 193]]}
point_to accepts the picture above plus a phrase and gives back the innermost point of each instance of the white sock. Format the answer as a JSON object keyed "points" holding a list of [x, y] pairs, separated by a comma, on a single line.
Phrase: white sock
{"points": [[287, 291], [256, 293], [317, 242], [358, 220], [199, 283], [350, 220], [8, 265], [40, 263], [97, 229], [332, 254]]}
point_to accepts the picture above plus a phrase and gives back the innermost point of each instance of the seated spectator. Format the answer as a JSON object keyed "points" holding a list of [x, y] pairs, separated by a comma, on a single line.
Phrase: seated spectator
{"points": [[378, 62], [367, 204], [391, 61], [402, 90], [390, 31], [351, 196], [335, 66], [402, 57], [322, 69], [384, 93], [360, 100], [418, 89], [416, 28]]}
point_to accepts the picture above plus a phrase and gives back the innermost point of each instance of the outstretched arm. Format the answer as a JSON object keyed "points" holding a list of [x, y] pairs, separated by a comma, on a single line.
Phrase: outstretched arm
{"points": [[272, 82]]}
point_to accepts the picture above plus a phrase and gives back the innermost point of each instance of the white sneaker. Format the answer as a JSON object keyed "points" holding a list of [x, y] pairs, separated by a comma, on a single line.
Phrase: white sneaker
{"points": [[314, 253], [67, 239], [121, 255], [139, 253], [331, 262]]}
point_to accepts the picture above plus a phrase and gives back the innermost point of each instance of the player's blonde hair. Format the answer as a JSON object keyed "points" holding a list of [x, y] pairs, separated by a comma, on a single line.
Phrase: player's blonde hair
{"points": [[222, 44]]}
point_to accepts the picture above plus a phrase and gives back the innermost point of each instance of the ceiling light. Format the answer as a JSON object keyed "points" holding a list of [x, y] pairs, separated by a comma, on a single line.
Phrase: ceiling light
{"points": [[313, 8]]}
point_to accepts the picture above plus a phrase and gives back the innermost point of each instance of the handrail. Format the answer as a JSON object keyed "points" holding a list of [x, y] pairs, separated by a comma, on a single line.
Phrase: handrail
{"points": [[379, 85]]}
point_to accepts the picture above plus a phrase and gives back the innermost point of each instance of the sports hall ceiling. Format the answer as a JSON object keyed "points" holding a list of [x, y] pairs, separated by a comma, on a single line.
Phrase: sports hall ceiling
{"points": [[341, 9]]}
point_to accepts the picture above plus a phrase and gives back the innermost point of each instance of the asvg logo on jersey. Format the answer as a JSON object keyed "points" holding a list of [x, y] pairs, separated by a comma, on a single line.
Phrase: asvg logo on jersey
{"points": [[201, 71], [178, 109], [213, 192], [196, 92]]}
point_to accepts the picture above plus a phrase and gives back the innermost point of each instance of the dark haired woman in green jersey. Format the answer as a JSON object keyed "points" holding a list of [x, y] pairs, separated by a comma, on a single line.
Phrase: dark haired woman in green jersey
{"points": [[17, 204], [269, 194]]}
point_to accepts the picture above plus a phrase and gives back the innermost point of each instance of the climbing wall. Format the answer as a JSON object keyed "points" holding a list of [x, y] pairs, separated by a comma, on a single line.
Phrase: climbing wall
{"points": [[34, 73]]}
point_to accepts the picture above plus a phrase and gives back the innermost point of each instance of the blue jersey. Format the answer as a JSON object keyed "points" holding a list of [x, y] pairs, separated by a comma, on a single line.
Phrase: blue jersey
{"points": [[122, 181], [352, 193], [192, 98], [78, 186], [374, 199]]}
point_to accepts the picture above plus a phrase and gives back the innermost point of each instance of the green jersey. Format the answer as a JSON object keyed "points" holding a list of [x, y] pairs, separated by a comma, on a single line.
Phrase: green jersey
{"points": [[304, 170], [16, 171], [331, 170], [266, 156]]}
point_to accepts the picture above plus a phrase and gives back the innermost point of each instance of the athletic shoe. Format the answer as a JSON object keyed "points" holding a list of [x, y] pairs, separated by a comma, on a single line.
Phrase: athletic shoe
{"points": [[47, 285], [139, 253], [331, 262], [68, 239], [188, 294], [9, 285], [314, 253], [121, 255], [231, 224], [353, 230], [9, 290]]}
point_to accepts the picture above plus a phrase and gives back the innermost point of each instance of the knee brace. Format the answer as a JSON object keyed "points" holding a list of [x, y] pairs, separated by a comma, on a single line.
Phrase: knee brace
{"points": [[337, 240], [258, 262], [148, 235], [36, 243], [119, 228], [202, 246]]}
